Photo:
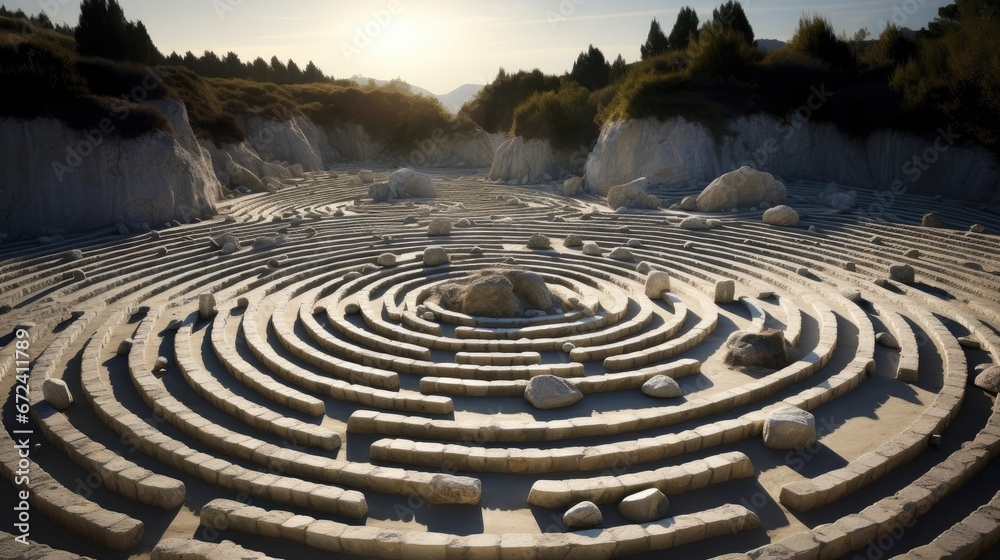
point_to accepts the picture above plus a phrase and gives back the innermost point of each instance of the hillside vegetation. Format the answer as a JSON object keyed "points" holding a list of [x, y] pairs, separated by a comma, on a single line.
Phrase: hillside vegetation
{"points": [[947, 76], [49, 75]]}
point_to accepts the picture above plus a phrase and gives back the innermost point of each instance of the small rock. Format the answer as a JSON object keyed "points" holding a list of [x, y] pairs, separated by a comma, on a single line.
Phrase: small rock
{"points": [[366, 176], [548, 391], [912, 253], [850, 267], [689, 203], [435, 255], [160, 364], [852, 295], [989, 379], [539, 242], [887, 340], [902, 273], [573, 241], [228, 249], [174, 324], [386, 259], [74, 255], [439, 227], [725, 291], [931, 219], [662, 387], [622, 254], [968, 342], [428, 316], [476, 251], [352, 308], [122, 229], [656, 283], [568, 347], [977, 228], [56, 393], [694, 223], [645, 506], [644, 267], [583, 514], [206, 305], [124, 347], [781, 215], [690, 245], [591, 248], [789, 428]]}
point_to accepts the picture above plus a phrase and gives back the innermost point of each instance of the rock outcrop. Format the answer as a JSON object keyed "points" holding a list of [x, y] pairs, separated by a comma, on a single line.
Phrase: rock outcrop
{"points": [[632, 195], [520, 159], [62, 180], [679, 152]]}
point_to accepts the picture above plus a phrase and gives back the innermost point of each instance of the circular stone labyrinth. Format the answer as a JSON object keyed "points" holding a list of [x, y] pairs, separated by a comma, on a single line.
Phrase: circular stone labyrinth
{"points": [[303, 394]]}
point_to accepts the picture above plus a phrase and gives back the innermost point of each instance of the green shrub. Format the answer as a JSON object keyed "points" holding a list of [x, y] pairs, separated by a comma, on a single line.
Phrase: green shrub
{"points": [[815, 38], [565, 117], [493, 107], [721, 55]]}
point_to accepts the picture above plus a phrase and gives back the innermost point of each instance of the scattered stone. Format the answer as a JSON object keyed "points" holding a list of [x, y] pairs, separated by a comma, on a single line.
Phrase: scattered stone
{"points": [[656, 283], [229, 249], [380, 192], [662, 387], [428, 316], [690, 245], [439, 227], [634, 243], [583, 514], [220, 241], [206, 305], [931, 219], [875, 240], [76, 275], [162, 251], [767, 349], [789, 428], [902, 273], [160, 364], [407, 183], [539, 242], [936, 441], [645, 506], [435, 255], [386, 259], [968, 342], [353, 275], [781, 215], [568, 347], [174, 324], [573, 241], [725, 291], [977, 228], [56, 393], [887, 340], [352, 308], [632, 195], [765, 295], [912, 253], [476, 251], [812, 229], [803, 271], [644, 267], [593, 249], [548, 391], [989, 379], [881, 283], [689, 203], [694, 223], [622, 254], [122, 229], [366, 176], [124, 347], [850, 267], [572, 186], [464, 223], [74, 255], [742, 188]]}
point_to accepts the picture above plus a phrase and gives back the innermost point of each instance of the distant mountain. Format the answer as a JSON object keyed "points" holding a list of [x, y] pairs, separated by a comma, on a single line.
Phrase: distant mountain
{"points": [[452, 100], [768, 45]]}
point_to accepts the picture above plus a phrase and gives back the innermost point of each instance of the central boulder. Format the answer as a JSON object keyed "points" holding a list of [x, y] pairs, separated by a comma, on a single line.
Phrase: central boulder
{"points": [[497, 293]]}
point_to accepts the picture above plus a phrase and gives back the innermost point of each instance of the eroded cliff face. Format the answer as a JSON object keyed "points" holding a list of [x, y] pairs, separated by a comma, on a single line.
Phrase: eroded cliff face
{"points": [[56, 179], [676, 152], [530, 161]]}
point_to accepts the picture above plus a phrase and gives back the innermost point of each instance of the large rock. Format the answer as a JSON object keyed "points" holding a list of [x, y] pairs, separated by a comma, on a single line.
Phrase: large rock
{"points": [[744, 188], [837, 199], [645, 506], [56, 393], [518, 158], [789, 428], [295, 140], [572, 186], [583, 514], [767, 348], [548, 391], [492, 296], [781, 215], [407, 183], [656, 283], [662, 387], [676, 152], [154, 178], [989, 379], [380, 192], [632, 195], [439, 227]]}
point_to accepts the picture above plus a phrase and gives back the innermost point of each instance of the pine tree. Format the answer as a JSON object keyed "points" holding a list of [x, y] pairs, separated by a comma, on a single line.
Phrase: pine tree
{"points": [[685, 26], [618, 69], [591, 70], [731, 15], [656, 42]]}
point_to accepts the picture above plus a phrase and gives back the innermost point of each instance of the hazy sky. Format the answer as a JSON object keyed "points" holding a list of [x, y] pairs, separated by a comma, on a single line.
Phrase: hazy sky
{"points": [[441, 44]]}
